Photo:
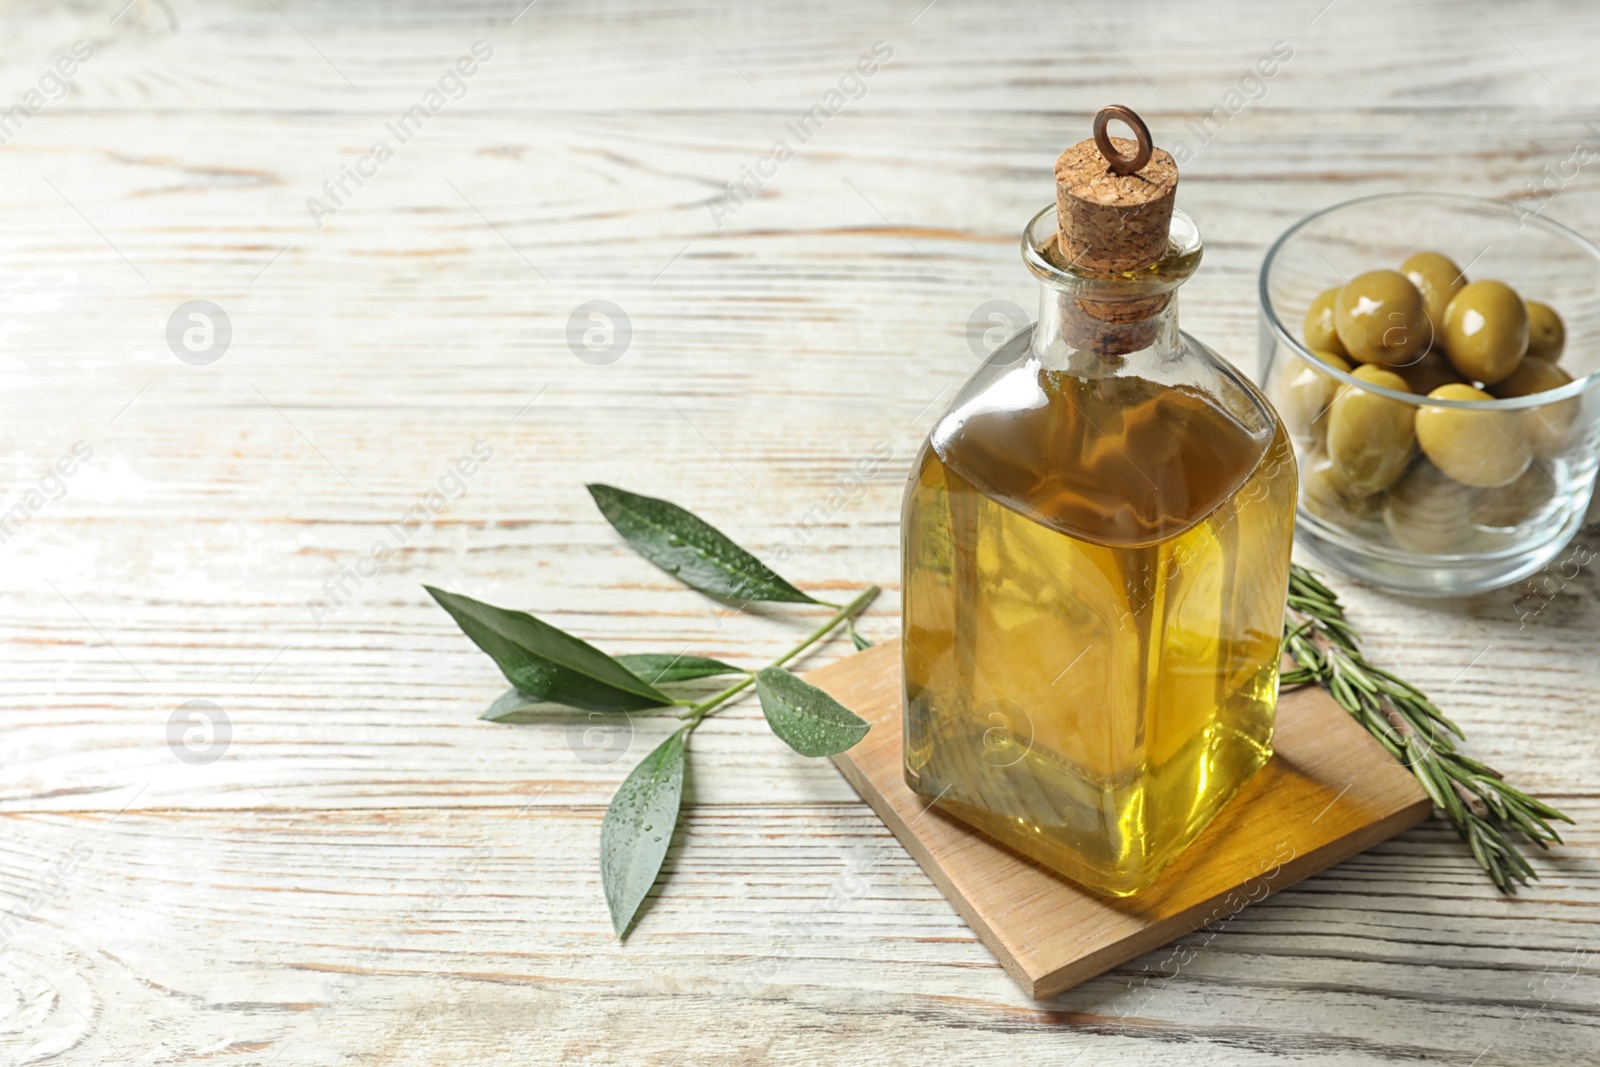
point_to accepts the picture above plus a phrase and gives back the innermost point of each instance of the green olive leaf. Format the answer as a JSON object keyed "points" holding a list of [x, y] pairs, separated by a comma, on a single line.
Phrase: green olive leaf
{"points": [[637, 829], [691, 549], [810, 721], [652, 668], [658, 667], [548, 663], [517, 707]]}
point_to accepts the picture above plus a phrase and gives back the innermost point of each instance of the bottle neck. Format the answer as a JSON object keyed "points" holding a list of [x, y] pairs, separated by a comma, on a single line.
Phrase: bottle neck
{"points": [[1095, 319], [1078, 333]]}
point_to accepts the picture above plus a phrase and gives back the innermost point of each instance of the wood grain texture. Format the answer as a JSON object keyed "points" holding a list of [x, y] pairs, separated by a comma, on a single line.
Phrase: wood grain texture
{"points": [[769, 354], [1329, 792]]}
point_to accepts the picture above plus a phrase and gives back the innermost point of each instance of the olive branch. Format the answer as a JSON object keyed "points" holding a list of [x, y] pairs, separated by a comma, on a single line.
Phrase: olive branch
{"points": [[552, 672]]}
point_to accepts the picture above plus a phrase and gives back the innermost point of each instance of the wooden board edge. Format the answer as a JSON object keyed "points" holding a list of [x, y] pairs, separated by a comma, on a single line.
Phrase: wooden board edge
{"points": [[912, 844], [1291, 872], [1041, 984]]}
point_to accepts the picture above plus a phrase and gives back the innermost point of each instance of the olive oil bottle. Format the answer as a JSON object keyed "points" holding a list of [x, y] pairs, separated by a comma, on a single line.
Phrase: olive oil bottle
{"points": [[1096, 552]]}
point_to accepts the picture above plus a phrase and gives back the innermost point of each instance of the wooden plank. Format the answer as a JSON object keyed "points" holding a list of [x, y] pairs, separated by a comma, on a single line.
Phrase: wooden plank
{"points": [[377, 58], [211, 487], [1329, 792], [217, 905], [414, 936]]}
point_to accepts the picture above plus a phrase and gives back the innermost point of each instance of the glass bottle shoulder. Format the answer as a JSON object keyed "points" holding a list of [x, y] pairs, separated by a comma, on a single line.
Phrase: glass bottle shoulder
{"points": [[1123, 451]]}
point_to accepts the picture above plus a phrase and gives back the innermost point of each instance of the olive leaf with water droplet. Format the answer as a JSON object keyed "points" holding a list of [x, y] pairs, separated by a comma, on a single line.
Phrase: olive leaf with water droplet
{"points": [[658, 667], [691, 549], [548, 663], [637, 829], [654, 668], [516, 706], [809, 720]]}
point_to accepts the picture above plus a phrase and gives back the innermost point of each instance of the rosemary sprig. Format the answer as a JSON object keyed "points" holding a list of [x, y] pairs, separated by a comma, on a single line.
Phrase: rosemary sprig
{"points": [[1485, 810]]}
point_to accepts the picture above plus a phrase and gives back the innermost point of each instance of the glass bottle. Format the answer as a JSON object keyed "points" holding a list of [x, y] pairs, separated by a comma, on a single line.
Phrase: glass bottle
{"points": [[1096, 542]]}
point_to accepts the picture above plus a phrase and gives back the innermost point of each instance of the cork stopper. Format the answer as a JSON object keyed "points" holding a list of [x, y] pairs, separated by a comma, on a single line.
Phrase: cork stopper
{"points": [[1114, 199]]}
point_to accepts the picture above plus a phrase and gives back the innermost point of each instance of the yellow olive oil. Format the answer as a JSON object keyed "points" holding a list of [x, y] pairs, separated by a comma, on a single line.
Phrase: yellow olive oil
{"points": [[1094, 575]]}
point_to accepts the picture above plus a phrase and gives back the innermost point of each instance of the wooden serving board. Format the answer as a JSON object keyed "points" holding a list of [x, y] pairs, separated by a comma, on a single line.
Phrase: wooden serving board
{"points": [[1329, 792]]}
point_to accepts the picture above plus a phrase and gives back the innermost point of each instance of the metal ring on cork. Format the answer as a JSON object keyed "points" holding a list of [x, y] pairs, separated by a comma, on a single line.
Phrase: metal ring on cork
{"points": [[1119, 163]]}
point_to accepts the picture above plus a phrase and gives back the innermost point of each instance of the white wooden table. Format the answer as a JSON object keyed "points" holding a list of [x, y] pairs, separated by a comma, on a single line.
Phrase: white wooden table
{"points": [[369, 874]]}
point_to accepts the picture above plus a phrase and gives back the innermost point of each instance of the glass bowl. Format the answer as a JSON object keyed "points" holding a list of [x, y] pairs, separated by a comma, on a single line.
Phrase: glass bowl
{"points": [[1427, 533]]}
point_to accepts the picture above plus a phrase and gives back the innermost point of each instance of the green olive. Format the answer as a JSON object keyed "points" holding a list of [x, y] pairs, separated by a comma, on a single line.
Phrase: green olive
{"points": [[1486, 331], [1512, 505], [1438, 279], [1427, 372], [1547, 335], [1381, 318], [1325, 495], [1477, 448], [1320, 333], [1370, 437], [1303, 392], [1427, 511], [1549, 426]]}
